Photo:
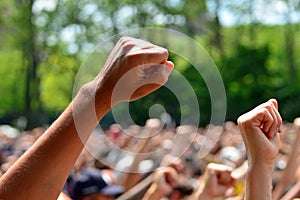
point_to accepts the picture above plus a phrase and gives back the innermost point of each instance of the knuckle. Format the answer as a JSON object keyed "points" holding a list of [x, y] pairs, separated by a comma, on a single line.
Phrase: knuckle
{"points": [[264, 110], [211, 166], [163, 49], [165, 52], [269, 105], [241, 121], [244, 122], [124, 40]]}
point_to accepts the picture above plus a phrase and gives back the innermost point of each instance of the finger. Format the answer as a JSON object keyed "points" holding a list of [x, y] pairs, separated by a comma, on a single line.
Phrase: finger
{"points": [[135, 52], [153, 55], [135, 41], [218, 167], [212, 178], [169, 64], [222, 173], [171, 177], [274, 102], [279, 119], [150, 69], [224, 177], [274, 127], [276, 116], [266, 120], [272, 124], [158, 76], [263, 105]]}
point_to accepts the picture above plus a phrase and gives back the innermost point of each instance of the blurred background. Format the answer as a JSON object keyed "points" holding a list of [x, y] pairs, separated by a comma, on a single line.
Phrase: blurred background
{"points": [[254, 43]]}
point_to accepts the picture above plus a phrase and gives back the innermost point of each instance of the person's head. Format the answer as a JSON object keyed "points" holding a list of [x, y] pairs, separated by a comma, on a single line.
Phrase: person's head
{"points": [[92, 184]]}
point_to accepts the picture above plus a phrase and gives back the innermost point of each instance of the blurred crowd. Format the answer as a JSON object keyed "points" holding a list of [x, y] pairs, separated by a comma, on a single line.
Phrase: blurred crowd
{"points": [[123, 162]]}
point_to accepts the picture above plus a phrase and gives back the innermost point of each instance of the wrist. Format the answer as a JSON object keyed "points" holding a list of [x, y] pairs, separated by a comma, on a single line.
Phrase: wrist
{"points": [[261, 164], [92, 100], [96, 96]]}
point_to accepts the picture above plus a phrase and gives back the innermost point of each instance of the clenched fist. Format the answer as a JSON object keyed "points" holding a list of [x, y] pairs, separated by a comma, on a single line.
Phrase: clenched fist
{"points": [[133, 69], [260, 130]]}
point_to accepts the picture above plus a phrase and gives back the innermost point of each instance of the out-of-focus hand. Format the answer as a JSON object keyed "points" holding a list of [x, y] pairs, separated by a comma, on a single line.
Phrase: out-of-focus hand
{"points": [[216, 181], [163, 183], [165, 180], [133, 69], [260, 128]]}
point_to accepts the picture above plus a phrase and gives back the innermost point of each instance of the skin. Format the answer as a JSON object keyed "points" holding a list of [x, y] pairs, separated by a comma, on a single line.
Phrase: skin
{"points": [[260, 129], [216, 181], [134, 69], [163, 183]]}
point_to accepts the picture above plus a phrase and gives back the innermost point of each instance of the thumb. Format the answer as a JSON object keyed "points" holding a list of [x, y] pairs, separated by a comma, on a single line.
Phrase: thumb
{"points": [[160, 73]]}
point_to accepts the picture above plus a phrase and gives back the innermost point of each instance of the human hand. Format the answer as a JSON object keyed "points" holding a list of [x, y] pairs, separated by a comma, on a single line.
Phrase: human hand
{"points": [[165, 180], [163, 183], [133, 69], [215, 182], [260, 128]]}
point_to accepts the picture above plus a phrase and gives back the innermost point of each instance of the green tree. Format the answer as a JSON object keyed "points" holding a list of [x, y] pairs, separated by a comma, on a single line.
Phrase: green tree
{"points": [[247, 79], [27, 37]]}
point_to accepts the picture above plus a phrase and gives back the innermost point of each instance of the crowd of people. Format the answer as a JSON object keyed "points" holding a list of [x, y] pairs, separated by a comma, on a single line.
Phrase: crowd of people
{"points": [[257, 158], [108, 163]]}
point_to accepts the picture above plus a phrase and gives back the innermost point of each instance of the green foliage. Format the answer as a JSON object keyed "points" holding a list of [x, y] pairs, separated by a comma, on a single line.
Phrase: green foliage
{"points": [[12, 83], [57, 75], [247, 79]]}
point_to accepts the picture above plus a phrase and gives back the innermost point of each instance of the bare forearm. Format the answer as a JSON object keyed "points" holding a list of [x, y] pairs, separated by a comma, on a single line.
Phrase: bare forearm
{"points": [[35, 176], [42, 171], [259, 182]]}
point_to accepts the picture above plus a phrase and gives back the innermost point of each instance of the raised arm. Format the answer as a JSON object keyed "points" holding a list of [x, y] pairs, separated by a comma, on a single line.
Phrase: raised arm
{"points": [[260, 130], [134, 69]]}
